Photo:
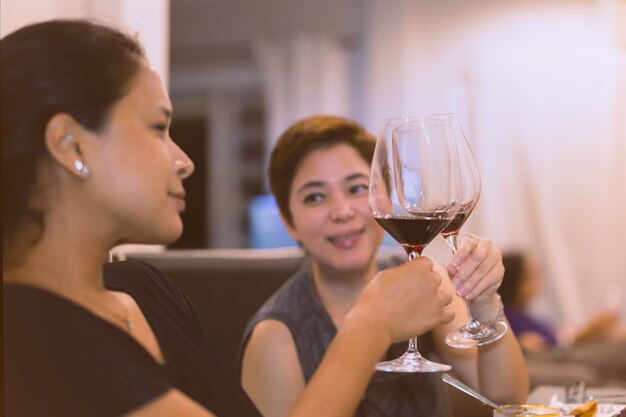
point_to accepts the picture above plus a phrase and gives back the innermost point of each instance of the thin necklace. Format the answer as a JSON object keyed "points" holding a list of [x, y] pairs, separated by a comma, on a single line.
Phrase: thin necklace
{"points": [[62, 289], [125, 318]]}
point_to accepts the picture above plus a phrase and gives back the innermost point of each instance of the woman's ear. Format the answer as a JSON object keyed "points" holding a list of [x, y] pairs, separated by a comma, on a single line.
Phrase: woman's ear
{"points": [[293, 233], [63, 140]]}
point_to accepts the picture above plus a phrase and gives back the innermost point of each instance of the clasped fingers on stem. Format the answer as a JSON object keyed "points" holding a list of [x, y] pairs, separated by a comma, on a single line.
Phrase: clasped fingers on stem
{"points": [[476, 267], [471, 246], [407, 300]]}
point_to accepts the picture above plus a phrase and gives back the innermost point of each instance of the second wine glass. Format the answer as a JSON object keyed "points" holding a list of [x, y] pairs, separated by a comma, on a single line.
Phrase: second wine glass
{"points": [[474, 333], [421, 174]]}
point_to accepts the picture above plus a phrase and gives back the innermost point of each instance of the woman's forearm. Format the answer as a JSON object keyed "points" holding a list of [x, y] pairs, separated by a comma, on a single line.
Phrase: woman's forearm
{"points": [[502, 371], [344, 374]]}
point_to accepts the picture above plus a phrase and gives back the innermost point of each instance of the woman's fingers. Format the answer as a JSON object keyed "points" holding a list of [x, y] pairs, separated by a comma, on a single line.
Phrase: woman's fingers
{"points": [[467, 246], [476, 267], [406, 301], [487, 285]]}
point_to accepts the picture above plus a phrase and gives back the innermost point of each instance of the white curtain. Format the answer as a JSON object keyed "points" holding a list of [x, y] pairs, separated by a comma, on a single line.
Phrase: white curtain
{"points": [[552, 152], [541, 89], [302, 75]]}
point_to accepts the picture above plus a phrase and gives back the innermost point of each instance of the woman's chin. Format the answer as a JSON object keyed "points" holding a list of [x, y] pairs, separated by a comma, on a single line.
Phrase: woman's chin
{"points": [[170, 234], [155, 237], [170, 237]]}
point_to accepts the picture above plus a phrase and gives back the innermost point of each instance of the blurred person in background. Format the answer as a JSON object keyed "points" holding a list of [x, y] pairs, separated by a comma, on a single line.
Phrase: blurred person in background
{"points": [[319, 174], [521, 284], [594, 352]]}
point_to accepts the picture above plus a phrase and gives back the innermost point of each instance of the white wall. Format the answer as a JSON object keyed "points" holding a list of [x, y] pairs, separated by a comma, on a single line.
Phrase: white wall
{"points": [[541, 88], [149, 18]]}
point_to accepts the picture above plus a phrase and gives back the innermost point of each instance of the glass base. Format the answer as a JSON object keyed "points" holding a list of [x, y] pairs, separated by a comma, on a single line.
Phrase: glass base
{"points": [[482, 334], [411, 362]]}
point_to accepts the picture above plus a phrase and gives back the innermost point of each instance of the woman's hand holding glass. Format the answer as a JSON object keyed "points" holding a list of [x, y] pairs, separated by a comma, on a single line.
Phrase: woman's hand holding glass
{"points": [[404, 301], [476, 272], [477, 263]]}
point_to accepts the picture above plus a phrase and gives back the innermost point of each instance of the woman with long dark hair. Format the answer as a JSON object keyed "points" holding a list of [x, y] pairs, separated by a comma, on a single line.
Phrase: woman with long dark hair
{"points": [[88, 164]]}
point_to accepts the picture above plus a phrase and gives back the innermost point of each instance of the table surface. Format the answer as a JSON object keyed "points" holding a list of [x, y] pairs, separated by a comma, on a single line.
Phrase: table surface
{"points": [[543, 393]]}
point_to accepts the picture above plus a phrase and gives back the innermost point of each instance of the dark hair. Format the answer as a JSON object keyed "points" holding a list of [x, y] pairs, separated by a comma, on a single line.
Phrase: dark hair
{"points": [[302, 138], [514, 270], [77, 67]]}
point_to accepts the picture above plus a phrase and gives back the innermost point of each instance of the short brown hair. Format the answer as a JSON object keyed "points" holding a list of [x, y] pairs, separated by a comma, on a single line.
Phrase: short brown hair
{"points": [[305, 136]]}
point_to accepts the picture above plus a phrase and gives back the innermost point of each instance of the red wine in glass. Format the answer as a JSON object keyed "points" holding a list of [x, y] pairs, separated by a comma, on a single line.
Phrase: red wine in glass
{"points": [[474, 333], [413, 233], [460, 217], [424, 176]]}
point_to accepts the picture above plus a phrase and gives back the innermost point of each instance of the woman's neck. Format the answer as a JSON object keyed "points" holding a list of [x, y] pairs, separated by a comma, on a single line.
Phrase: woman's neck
{"points": [[76, 276], [60, 264]]}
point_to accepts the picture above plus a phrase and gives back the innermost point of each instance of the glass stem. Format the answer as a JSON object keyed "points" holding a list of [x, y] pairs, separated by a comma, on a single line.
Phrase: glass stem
{"points": [[413, 342], [451, 240], [413, 347]]}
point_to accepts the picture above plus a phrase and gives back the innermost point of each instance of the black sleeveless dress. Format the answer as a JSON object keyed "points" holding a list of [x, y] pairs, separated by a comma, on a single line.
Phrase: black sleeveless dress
{"points": [[61, 360]]}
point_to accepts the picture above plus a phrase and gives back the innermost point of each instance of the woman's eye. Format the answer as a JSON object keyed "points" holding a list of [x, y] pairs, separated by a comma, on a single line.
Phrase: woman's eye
{"points": [[313, 198], [160, 127], [358, 189]]}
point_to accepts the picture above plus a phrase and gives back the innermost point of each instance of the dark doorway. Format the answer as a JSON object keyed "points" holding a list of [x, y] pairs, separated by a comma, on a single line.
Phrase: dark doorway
{"points": [[190, 135]]}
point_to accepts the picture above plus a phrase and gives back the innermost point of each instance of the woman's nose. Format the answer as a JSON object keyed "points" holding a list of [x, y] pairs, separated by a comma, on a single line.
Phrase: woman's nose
{"points": [[183, 165], [342, 210]]}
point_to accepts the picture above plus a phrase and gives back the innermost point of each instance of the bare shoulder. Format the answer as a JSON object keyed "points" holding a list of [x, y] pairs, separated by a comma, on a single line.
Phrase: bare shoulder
{"points": [[269, 332], [271, 372], [271, 346]]}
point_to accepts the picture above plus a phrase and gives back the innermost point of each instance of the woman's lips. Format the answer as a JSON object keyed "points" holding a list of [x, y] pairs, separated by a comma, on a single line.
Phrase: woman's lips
{"points": [[179, 199], [346, 240]]}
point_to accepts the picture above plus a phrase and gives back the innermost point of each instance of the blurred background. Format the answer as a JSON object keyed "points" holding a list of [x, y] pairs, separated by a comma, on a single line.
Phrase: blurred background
{"points": [[539, 86]]}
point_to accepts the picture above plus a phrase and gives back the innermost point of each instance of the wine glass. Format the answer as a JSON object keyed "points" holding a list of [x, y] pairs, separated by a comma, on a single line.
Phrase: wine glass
{"points": [[474, 333], [427, 187]]}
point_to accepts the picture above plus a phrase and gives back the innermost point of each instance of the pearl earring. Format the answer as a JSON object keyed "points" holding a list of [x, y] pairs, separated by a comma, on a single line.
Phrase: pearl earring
{"points": [[82, 168]]}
